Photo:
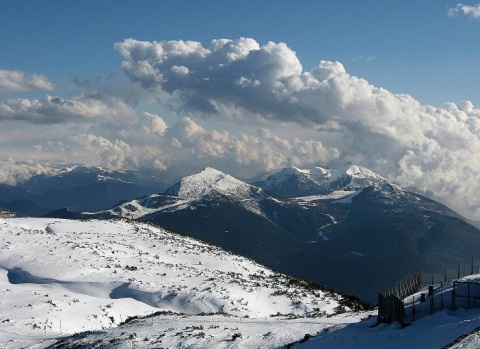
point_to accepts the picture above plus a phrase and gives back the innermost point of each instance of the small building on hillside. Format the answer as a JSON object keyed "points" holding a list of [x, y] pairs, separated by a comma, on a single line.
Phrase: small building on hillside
{"points": [[7, 214]]}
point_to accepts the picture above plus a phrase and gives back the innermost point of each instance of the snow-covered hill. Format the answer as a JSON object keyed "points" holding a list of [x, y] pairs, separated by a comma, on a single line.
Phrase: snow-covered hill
{"points": [[339, 184], [61, 277], [119, 284], [211, 184]]}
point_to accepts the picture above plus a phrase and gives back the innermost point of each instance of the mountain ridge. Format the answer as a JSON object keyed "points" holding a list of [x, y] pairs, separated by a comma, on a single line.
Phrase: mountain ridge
{"points": [[77, 188], [364, 227], [295, 182]]}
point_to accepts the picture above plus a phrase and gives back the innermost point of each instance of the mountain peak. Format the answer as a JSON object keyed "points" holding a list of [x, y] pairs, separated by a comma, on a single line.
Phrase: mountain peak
{"points": [[209, 180], [293, 181]]}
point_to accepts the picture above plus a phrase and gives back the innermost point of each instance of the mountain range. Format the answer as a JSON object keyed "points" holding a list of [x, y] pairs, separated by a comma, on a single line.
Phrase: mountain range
{"points": [[77, 187], [347, 228]]}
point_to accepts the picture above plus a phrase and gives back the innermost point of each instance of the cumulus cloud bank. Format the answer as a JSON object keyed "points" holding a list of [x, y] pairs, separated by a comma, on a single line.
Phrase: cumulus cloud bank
{"points": [[17, 81], [147, 142], [431, 148], [228, 78]]}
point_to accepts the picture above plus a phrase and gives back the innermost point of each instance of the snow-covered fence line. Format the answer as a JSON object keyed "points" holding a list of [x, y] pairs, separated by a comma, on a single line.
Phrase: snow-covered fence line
{"points": [[460, 293], [440, 291]]}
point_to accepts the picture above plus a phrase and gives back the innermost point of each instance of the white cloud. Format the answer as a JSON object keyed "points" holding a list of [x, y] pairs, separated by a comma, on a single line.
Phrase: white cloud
{"points": [[431, 148], [180, 70], [149, 143], [365, 59], [115, 154], [246, 155], [154, 124], [472, 11], [225, 74], [12, 172], [57, 110], [17, 81]]}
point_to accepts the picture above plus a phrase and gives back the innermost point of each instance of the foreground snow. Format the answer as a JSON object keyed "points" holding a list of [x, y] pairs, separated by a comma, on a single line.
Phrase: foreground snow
{"points": [[60, 276], [214, 331], [118, 284], [341, 331]]}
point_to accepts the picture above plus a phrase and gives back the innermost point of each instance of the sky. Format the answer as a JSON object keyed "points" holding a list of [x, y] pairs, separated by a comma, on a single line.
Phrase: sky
{"points": [[247, 87]]}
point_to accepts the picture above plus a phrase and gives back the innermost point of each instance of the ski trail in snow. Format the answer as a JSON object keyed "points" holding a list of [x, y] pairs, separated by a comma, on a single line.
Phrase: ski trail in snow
{"points": [[321, 232]]}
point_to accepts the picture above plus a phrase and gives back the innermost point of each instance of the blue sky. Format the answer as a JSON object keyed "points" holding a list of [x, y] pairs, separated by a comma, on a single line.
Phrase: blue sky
{"points": [[409, 47], [248, 87]]}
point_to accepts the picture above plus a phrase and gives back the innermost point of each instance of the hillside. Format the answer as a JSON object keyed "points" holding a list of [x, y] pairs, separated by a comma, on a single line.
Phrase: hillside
{"points": [[119, 284], [59, 277]]}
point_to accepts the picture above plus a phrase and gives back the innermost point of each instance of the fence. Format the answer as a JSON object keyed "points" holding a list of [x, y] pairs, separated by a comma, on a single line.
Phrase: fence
{"points": [[390, 308], [453, 273], [442, 290], [406, 287], [390, 303], [466, 294]]}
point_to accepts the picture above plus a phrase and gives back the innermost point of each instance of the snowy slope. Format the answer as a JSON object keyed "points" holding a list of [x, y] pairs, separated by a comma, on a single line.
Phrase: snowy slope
{"points": [[445, 328], [346, 332], [61, 277], [118, 284]]}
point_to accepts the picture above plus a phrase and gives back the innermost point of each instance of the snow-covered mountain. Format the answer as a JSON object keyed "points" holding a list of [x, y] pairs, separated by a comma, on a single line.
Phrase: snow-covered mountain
{"points": [[321, 180], [358, 237], [59, 277], [210, 182], [209, 185]]}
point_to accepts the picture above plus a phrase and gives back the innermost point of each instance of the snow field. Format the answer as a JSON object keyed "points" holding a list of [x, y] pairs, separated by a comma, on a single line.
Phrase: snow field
{"points": [[61, 277]]}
